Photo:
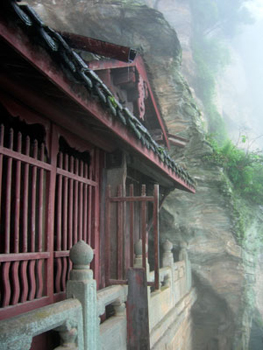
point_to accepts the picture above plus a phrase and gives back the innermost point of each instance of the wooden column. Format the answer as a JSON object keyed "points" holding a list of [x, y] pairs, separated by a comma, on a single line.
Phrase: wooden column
{"points": [[138, 336]]}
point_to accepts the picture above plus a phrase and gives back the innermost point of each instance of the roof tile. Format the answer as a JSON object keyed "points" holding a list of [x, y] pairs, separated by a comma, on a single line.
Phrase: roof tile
{"points": [[71, 60]]}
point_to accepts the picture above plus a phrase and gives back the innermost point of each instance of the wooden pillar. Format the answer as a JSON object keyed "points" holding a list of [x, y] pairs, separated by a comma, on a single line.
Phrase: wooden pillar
{"points": [[138, 335]]}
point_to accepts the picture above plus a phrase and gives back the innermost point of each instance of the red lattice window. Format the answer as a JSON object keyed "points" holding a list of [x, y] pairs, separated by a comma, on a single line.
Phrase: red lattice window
{"points": [[24, 174], [74, 209], [49, 199]]}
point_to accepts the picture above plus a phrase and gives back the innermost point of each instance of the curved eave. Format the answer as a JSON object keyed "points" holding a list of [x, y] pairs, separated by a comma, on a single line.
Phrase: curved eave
{"points": [[15, 37]]}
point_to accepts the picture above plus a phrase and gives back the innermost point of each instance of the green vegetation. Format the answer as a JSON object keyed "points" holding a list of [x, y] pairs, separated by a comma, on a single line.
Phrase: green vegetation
{"points": [[244, 168], [214, 21]]}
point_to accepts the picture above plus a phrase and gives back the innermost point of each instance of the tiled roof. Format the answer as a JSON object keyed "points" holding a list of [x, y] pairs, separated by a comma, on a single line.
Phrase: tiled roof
{"points": [[54, 43]]}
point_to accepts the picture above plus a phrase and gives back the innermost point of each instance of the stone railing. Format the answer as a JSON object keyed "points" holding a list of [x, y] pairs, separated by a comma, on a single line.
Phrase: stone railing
{"points": [[175, 284], [174, 278], [117, 323], [17, 333], [77, 318]]}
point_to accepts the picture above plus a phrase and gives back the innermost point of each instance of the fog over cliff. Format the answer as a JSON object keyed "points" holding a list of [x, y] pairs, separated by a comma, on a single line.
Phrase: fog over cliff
{"points": [[241, 85]]}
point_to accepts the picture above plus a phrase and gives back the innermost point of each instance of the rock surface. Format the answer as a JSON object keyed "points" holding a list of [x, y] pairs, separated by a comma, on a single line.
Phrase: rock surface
{"points": [[224, 272]]}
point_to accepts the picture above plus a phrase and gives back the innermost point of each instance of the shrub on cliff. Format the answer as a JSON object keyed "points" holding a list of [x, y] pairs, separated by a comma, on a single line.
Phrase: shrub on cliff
{"points": [[243, 167]]}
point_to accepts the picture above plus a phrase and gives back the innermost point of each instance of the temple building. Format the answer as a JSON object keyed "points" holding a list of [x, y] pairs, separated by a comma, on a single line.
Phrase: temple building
{"points": [[84, 170]]}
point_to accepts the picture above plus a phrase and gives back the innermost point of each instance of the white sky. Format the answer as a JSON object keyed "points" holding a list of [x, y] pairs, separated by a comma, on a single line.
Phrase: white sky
{"points": [[256, 7]]}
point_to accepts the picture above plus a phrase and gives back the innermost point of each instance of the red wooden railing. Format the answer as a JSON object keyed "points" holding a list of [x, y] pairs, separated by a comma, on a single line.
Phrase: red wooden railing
{"points": [[49, 199], [75, 193], [24, 174], [131, 225]]}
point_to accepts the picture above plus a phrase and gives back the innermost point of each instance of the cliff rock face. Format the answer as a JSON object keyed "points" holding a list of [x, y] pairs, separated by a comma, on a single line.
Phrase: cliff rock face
{"points": [[223, 271]]}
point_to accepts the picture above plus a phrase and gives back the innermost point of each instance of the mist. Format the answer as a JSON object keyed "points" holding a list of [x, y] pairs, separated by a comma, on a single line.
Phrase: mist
{"points": [[242, 84]]}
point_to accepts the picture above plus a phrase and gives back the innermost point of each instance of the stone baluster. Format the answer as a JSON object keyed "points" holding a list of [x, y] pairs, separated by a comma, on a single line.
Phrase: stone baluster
{"points": [[68, 337], [119, 308], [183, 256], [168, 261], [138, 256], [82, 286]]}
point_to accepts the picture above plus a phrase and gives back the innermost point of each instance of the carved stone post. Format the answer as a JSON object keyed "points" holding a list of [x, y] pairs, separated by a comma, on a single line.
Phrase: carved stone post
{"points": [[138, 256], [168, 259], [82, 286], [183, 255]]}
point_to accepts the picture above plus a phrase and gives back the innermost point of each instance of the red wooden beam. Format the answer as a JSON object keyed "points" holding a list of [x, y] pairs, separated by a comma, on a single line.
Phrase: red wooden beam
{"points": [[99, 47]]}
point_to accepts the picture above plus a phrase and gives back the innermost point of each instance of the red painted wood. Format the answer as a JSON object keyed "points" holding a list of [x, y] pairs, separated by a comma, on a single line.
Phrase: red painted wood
{"points": [[59, 225], [45, 106], [17, 200], [24, 159], [32, 279], [6, 284], [59, 204], [8, 196], [21, 308], [58, 275], [61, 254], [35, 57], [156, 235], [64, 273], [110, 64], [143, 200], [90, 196], [96, 226], [24, 256], [141, 69], [71, 204], [50, 214], [40, 281], [33, 201], [24, 281], [143, 227], [15, 283], [40, 201], [76, 237], [81, 236], [107, 236], [2, 132], [131, 227], [99, 47], [25, 198], [133, 199], [76, 177], [64, 264], [85, 209], [65, 205], [126, 237], [138, 334], [119, 235]]}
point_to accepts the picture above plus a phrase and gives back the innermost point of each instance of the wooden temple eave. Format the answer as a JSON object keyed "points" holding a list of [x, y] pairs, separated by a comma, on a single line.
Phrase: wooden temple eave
{"points": [[82, 102], [140, 67]]}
